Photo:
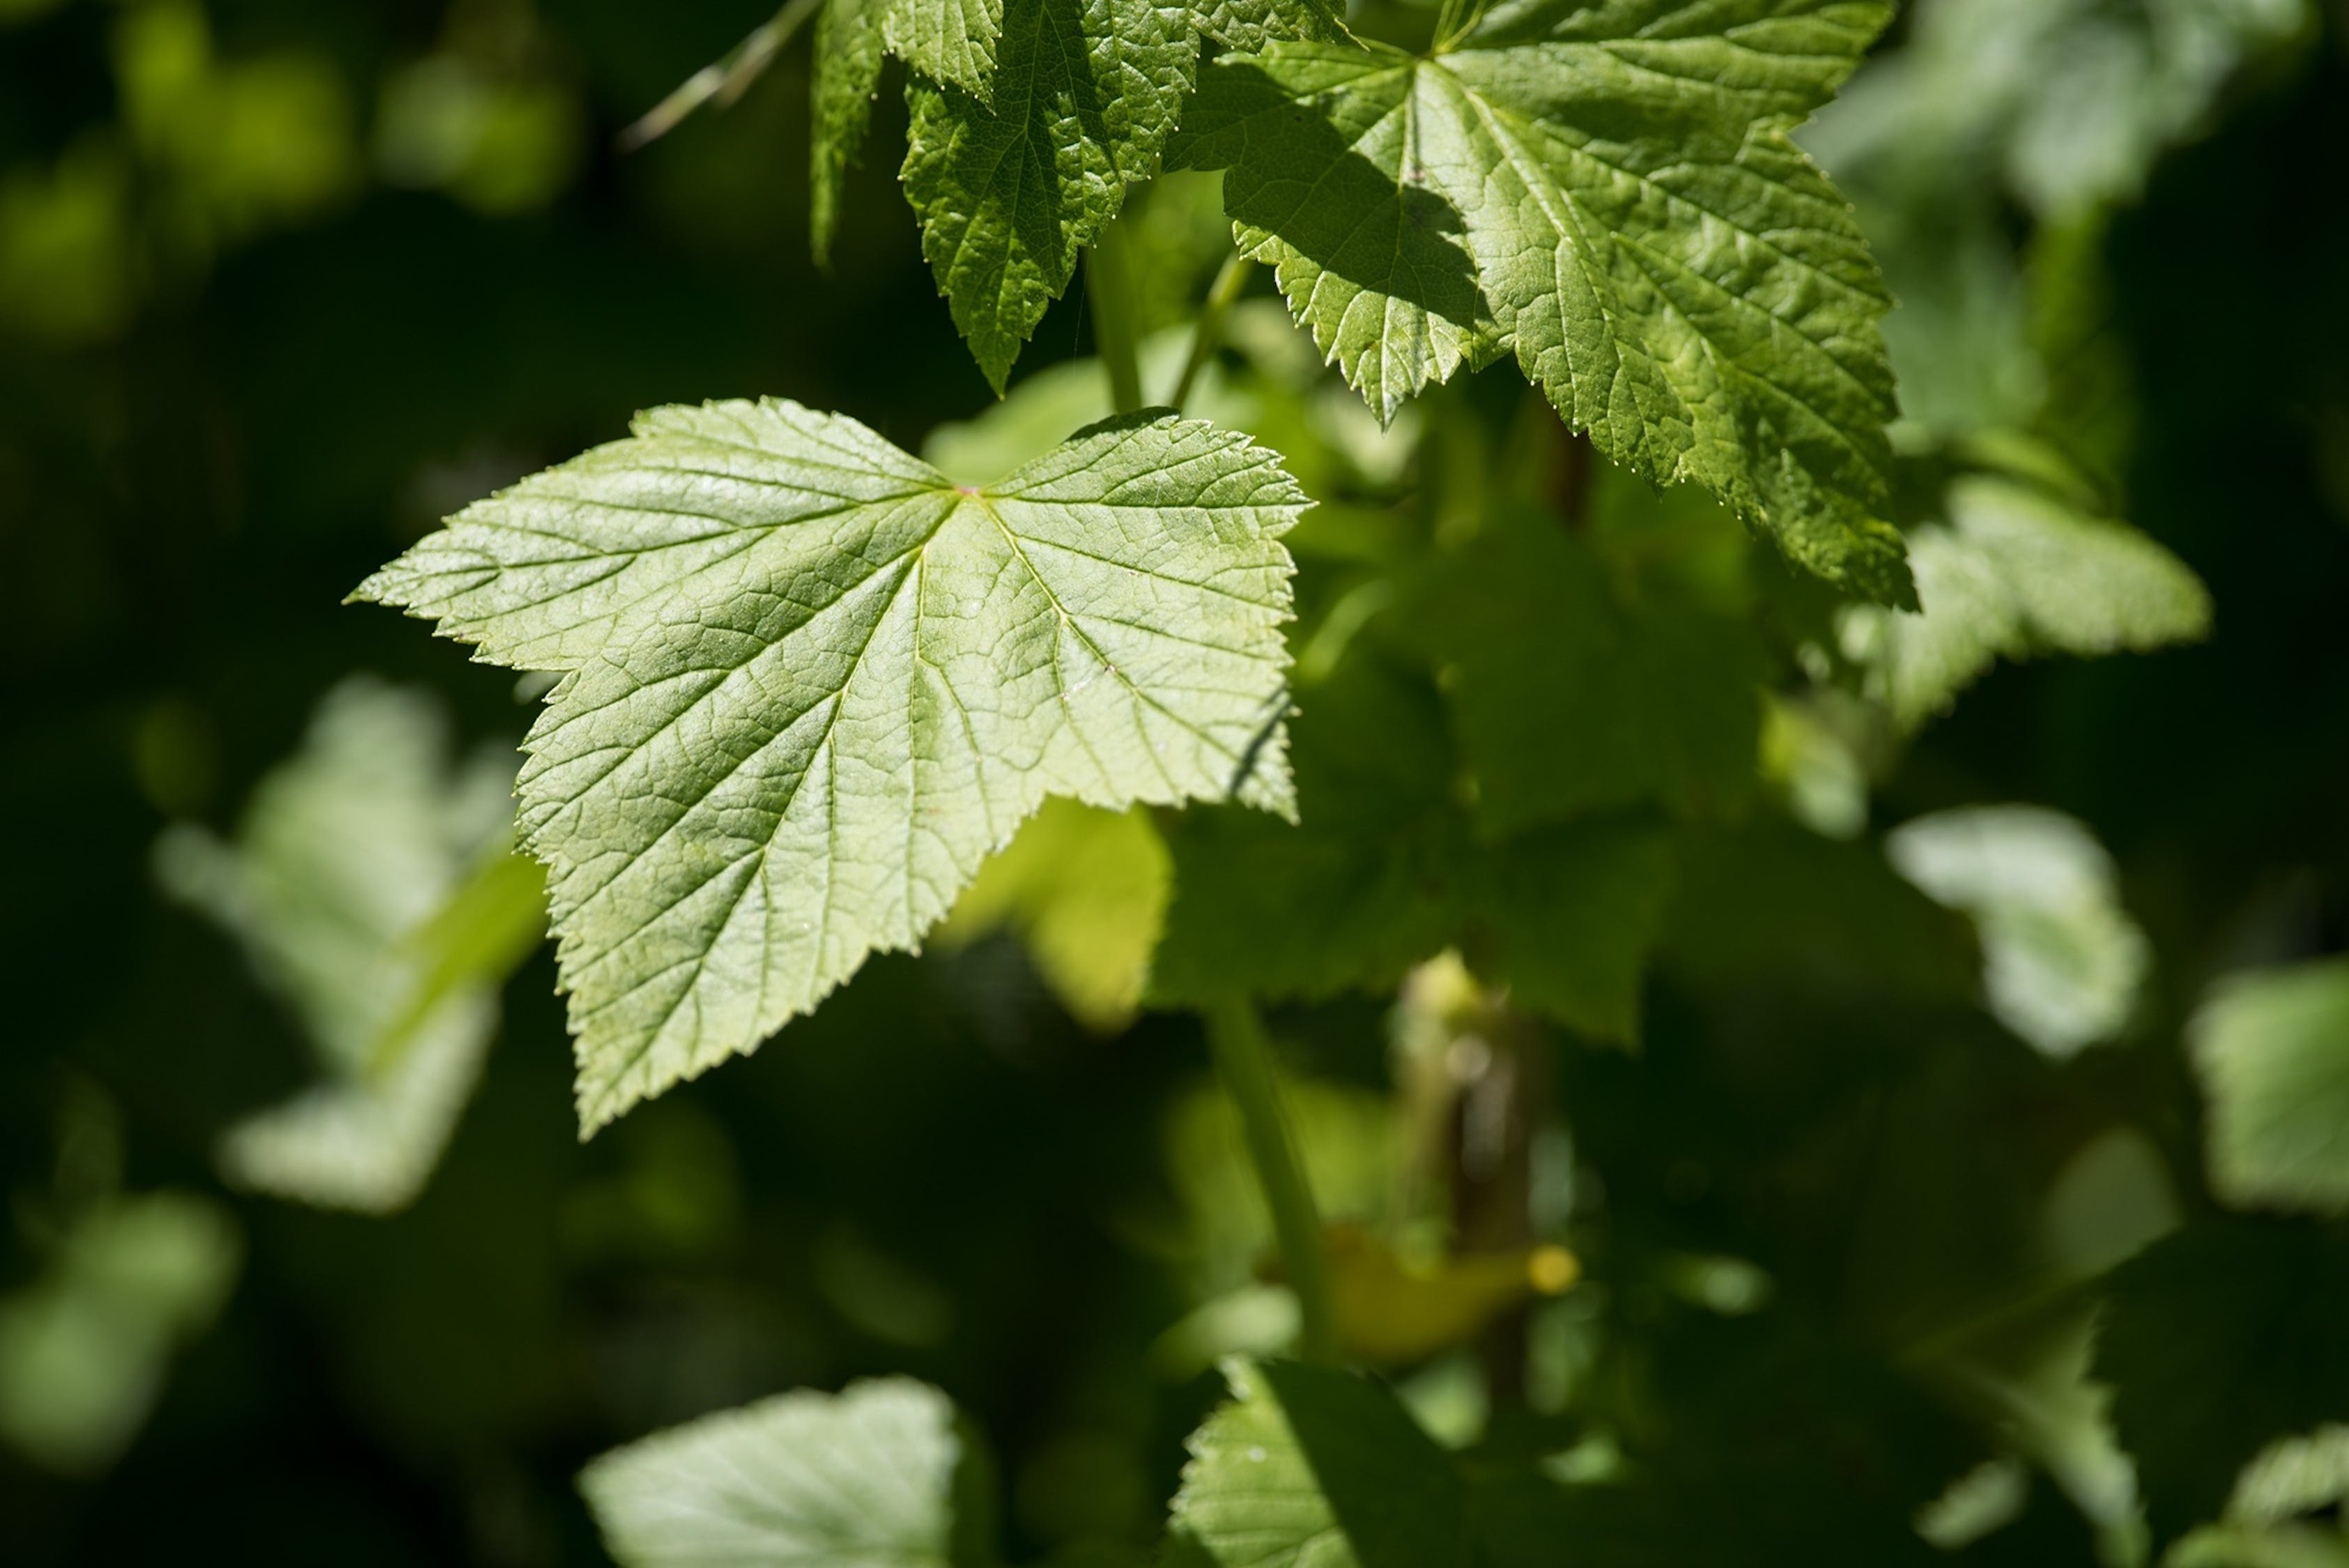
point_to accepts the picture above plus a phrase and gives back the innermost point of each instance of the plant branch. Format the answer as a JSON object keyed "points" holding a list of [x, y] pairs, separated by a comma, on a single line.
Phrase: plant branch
{"points": [[1244, 1058], [1208, 335], [725, 78], [1117, 330]]}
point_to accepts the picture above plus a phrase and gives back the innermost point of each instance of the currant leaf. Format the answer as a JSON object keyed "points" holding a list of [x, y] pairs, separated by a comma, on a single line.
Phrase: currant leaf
{"points": [[809, 683]]}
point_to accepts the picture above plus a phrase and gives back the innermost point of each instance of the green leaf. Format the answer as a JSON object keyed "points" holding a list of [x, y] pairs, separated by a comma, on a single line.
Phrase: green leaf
{"points": [[1247, 26], [85, 1346], [2011, 573], [1384, 871], [845, 73], [1354, 893], [1010, 188], [1086, 890], [952, 42], [810, 684], [2061, 960], [371, 888], [863, 1478], [1568, 701], [1311, 1468], [2272, 1048], [2216, 1340], [2071, 100], [1570, 916], [1610, 193]]}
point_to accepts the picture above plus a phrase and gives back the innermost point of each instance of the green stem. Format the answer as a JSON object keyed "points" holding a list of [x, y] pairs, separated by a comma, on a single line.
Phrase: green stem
{"points": [[1244, 1058], [725, 78], [1117, 332], [1209, 333]]}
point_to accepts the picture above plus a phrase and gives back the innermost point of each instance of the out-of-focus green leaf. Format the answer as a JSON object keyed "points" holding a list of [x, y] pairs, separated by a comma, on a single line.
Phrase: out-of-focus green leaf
{"points": [[2272, 1051], [2071, 100], [2259, 1546], [84, 1348], [1568, 701], [1383, 870], [2013, 573], [1610, 193], [1346, 1141], [1086, 890], [498, 144], [1311, 1468], [1566, 917], [1361, 889], [2061, 960], [369, 886], [249, 141], [863, 1478], [810, 683]]}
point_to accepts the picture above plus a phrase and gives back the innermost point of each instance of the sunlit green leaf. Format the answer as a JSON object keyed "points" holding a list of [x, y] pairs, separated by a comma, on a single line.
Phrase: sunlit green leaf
{"points": [[861, 1479], [810, 683], [1610, 193], [2061, 960], [371, 888], [2011, 573], [1086, 890], [1308, 1467]]}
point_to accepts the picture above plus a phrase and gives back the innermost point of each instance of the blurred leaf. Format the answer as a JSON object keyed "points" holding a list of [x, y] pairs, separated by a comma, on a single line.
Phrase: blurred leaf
{"points": [[2013, 573], [348, 887], [2294, 1475], [498, 145], [1086, 890], [752, 597], [67, 271], [251, 142], [85, 1347], [863, 1478], [2216, 1341], [1312, 1468], [1361, 889], [1568, 918], [1572, 183], [1346, 1140], [2259, 1546], [2061, 960], [2272, 1048], [2071, 100], [1570, 700], [1382, 871]]}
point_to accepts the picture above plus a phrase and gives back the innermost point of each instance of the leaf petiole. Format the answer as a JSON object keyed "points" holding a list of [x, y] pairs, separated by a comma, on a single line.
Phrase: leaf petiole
{"points": [[1205, 337], [725, 80], [1244, 1060], [1117, 328]]}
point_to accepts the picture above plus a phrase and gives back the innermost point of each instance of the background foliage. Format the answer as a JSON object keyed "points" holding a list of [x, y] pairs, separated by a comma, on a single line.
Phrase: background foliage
{"points": [[1974, 1183]]}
